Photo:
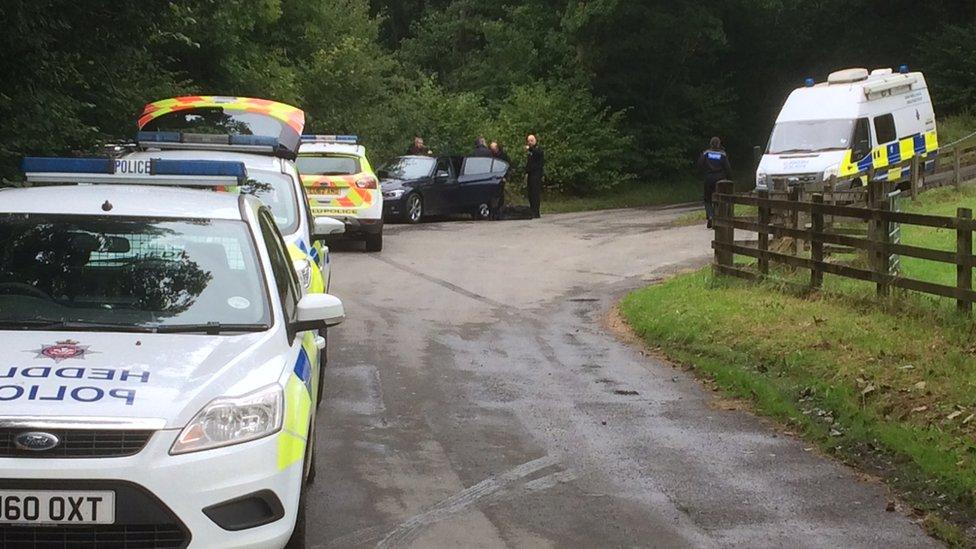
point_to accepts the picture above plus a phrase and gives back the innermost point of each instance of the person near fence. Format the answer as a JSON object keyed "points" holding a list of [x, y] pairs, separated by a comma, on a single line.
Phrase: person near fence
{"points": [[714, 165], [535, 171]]}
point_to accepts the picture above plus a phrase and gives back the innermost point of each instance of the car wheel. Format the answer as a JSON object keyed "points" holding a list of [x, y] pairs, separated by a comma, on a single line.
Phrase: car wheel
{"points": [[482, 212], [414, 209], [374, 241], [297, 539]]}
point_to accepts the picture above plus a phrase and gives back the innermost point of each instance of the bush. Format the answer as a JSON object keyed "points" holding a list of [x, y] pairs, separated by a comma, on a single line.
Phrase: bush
{"points": [[586, 151]]}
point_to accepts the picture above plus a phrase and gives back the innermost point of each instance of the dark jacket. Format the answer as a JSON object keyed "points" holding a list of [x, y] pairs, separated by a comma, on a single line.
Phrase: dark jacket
{"points": [[481, 151], [714, 165], [502, 155], [418, 151], [535, 161]]}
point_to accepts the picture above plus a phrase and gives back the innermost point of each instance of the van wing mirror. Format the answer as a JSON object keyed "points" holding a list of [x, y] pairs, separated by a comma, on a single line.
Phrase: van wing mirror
{"points": [[326, 226]]}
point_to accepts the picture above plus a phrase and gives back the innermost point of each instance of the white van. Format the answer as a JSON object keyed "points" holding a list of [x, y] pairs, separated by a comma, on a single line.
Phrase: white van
{"points": [[854, 121]]}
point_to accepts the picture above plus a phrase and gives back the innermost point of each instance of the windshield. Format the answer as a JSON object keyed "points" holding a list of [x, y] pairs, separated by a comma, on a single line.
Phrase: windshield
{"points": [[407, 167], [811, 136], [277, 191], [328, 165], [128, 273]]}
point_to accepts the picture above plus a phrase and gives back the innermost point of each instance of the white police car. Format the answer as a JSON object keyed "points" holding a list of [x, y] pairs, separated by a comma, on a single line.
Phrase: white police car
{"points": [[157, 362]]}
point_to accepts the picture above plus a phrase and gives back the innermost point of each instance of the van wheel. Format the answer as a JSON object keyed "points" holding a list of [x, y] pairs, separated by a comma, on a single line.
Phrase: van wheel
{"points": [[482, 212], [374, 241], [414, 210], [297, 539]]}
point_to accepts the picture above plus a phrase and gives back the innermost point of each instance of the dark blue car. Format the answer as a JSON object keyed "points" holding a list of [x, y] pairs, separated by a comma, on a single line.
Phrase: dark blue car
{"points": [[418, 186]]}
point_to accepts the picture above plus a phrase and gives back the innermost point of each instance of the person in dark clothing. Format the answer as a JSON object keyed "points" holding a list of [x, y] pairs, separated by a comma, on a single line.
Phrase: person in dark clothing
{"points": [[715, 167], [481, 149], [498, 152], [417, 148], [535, 171]]}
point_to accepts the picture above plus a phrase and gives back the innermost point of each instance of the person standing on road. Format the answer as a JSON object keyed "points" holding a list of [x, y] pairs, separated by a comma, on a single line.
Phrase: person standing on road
{"points": [[480, 149], [534, 171], [498, 153], [715, 167], [417, 148]]}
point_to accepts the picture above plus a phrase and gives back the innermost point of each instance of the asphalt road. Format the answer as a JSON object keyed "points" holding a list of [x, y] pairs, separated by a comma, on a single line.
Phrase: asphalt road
{"points": [[477, 398]]}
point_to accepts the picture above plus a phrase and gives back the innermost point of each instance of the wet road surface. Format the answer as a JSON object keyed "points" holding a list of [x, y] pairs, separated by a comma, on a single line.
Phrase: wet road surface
{"points": [[476, 398]]}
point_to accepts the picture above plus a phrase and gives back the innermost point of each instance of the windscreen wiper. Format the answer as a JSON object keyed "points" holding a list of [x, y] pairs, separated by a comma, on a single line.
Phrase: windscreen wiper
{"points": [[209, 328], [70, 325]]}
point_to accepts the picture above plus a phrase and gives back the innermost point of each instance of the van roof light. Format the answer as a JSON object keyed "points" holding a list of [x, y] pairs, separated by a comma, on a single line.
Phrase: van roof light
{"points": [[184, 140], [809, 82], [903, 69]]}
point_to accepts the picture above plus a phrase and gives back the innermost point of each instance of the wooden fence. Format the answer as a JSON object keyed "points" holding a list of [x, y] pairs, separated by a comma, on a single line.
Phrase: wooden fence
{"points": [[879, 243]]}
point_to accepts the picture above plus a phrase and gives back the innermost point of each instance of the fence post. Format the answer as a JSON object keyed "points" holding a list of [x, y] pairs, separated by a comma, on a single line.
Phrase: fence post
{"points": [[964, 249], [882, 236], [956, 161], [794, 197], [763, 231], [724, 232], [915, 177], [816, 242]]}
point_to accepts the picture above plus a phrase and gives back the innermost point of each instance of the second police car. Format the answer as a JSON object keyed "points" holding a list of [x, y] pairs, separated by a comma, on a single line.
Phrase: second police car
{"points": [[158, 361]]}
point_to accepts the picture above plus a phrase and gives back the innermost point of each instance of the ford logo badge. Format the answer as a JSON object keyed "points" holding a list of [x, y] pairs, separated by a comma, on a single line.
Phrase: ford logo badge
{"points": [[36, 441]]}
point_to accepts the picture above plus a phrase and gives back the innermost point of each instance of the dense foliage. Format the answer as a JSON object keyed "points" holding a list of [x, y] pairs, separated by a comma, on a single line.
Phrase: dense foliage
{"points": [[616, 89]]}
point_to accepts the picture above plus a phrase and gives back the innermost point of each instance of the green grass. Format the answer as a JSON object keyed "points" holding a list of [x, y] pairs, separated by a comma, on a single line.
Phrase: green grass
{"points": [[876, 384], [936, 202], [952, 128], [631, 195]]}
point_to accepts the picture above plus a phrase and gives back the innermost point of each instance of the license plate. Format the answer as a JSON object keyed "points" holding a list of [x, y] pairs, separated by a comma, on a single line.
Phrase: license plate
{"points": [[327, 191], [56, 507]]}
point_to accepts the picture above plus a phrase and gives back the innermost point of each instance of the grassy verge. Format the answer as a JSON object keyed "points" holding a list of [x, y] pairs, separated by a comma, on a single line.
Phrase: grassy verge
{"points": [[633, 195], [889, 389], [956, 127]]}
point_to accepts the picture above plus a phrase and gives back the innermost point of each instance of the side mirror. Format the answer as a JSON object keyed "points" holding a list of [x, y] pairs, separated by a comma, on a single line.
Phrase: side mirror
{"points": [[316, 311], [326, 226], [757, 154]]}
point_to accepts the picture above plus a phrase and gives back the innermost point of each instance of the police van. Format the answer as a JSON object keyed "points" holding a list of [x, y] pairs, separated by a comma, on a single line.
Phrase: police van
{"points": [[262, 134], [855, 121], [159, 363]]}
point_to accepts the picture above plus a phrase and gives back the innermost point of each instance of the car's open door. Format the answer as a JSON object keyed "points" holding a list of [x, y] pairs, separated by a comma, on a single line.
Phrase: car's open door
{"points": [[479, 181]]}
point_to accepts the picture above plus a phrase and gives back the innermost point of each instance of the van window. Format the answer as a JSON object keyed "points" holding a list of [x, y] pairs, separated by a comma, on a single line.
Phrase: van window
{"points": [[861, 142], [884, 128]]}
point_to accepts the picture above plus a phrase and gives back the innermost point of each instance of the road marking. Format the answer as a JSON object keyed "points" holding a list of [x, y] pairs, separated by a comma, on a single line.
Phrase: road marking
{"points": [[491, 490], [440, 282]]}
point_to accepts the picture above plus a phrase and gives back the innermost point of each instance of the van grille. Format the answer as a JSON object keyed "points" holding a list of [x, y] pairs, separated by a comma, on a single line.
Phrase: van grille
{"points": [[786, 182], [79, 443], [129, 536]]}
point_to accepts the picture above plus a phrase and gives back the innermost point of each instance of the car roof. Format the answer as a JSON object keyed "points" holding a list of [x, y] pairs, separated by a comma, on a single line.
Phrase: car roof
{"points": [[261, 162], [125, 200], [337, 148]]}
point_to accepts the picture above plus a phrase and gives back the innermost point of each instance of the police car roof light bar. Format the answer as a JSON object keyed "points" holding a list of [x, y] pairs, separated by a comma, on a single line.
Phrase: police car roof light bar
{"points": [[197, 141], [343, 139], [160, 172]]}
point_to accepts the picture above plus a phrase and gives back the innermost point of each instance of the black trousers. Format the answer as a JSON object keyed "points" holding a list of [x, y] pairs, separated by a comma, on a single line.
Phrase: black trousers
{"points": [[535, 192], [499, 202]]}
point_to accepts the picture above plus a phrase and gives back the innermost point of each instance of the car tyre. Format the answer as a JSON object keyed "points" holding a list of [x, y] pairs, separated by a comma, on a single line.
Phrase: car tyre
{"points": [[374, 241], [413, 210], [482, 212]]}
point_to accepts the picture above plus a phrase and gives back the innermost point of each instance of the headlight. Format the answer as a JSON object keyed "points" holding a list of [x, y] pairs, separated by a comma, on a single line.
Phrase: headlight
{"points": [[762, 181], [232, 420], [833, 171], [303, 267], [394, 194]]}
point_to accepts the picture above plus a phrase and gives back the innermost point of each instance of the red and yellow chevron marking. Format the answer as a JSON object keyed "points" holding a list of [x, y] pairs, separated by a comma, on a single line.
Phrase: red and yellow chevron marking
{"points": [[292, 116], [354, 197]]}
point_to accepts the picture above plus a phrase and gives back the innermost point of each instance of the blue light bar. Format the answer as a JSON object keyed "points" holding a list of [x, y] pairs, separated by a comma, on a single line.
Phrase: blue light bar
{"points": [[134, 171], [344, 139], [67, 165], [159, 137], [258, 140], [903, 69], [159, 166], [810, 82]]}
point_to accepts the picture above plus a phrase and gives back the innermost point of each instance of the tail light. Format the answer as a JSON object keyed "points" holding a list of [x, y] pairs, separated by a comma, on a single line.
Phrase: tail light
{"points": [[366, 183]]}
